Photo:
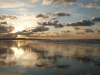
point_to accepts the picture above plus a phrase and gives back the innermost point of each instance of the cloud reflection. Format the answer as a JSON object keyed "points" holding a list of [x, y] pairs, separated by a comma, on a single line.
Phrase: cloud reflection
{"points": [[47, 55]]}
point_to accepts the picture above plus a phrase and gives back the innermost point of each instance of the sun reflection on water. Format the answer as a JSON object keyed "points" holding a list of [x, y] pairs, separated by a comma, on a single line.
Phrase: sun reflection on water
{"points": [[17, 52]]}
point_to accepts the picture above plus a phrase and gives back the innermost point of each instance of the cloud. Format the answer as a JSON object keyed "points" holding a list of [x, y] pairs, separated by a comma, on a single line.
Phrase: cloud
{"points": [[62, 2], [18, 9], [58, 14], [43, 16], [2, 17], [94, 19], [4, 29], [81, 23], [88, 30], [76, 28], [97, 31], [11, 35], [40, 29], [61, 14], [34, 1], [66, 31], [80, 33], [91, 5], [3, 23], [13, 4], [54, 23], [59, 25]]}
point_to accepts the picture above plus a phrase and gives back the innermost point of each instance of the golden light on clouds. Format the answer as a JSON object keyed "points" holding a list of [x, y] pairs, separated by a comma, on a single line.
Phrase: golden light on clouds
{"points": [[18, 28]]}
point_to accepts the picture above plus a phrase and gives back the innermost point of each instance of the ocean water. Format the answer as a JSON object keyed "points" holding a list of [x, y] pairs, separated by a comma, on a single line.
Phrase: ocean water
{"points": [[50, 57]]}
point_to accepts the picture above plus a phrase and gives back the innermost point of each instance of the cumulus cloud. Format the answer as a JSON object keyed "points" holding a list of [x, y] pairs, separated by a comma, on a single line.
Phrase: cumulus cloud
{"points": [[43, 16], [40, 29], [94, 19], [81, 23], [4, 29], [88, 30], [54, 23], [91, 5], [2, 17], [61, 14], [59, 25], [62, 2]]}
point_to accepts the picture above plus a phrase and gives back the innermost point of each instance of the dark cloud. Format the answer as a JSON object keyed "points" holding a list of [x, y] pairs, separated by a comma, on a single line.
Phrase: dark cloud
{"points": [[4, 29], [43, 16], [2, 17], [94, 19], [81, 23], [11, 35], [3, 23], [59, 25], [61, 14], [40, 29], [54, 23], [61, 2]]}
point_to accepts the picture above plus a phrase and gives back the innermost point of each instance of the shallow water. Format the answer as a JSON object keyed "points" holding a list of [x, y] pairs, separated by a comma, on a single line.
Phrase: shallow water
{"points": [[43, 58]]}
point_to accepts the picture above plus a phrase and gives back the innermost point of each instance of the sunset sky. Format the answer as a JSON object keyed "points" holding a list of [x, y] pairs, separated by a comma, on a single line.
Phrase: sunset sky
{"points": [[70, 18]]}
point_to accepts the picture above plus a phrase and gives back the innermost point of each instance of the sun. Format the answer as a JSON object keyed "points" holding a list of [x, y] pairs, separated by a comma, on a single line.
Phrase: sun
{"points": [[18, 28]]}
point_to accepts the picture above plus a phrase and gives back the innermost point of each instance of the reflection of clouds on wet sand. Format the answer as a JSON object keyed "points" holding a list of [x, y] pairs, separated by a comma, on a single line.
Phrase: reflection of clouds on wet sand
{"points": [[61, 67], [28, 53], [2, 73], [91, 74], [47, 55], [5, 63]]}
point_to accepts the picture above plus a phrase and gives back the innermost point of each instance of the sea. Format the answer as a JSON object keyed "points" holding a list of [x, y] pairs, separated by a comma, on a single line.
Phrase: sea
{"points": [[49, 57]]}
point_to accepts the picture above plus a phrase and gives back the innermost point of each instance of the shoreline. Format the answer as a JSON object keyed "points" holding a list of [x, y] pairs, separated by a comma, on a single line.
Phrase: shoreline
{"points": [[42, 39]]}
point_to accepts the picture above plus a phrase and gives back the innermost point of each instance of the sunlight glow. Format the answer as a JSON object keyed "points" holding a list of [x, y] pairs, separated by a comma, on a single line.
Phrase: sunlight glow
{"points": [[17, 29]]}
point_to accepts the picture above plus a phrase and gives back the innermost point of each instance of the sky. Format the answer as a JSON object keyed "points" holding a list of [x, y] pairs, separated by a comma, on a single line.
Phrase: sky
{"points": [[71, 19]]}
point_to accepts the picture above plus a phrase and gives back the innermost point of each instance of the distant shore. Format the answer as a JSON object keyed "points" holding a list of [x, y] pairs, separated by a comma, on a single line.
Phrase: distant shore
{"points": [[22, 39], [42, 39]]}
